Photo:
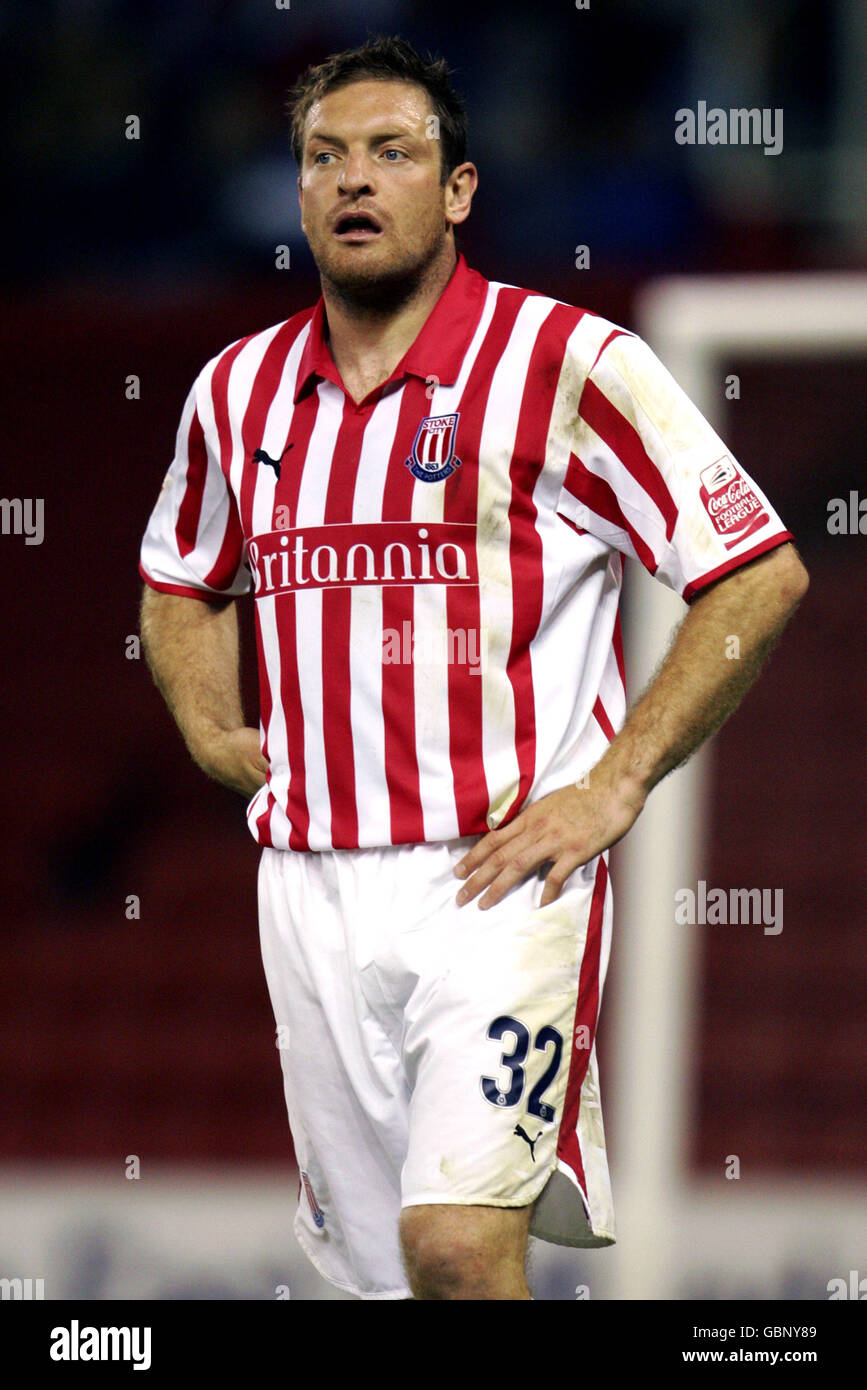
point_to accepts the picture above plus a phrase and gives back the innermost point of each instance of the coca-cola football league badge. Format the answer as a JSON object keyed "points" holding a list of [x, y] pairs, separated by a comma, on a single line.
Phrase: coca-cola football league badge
{"points": [[731, 502]]}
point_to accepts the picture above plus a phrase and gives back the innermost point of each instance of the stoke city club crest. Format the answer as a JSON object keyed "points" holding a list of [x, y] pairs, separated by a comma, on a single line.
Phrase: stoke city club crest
{"points": [[433, 450]]}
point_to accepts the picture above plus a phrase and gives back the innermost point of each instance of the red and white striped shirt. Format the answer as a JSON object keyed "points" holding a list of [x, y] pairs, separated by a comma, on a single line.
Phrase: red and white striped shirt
{"points": [[437, 568]]}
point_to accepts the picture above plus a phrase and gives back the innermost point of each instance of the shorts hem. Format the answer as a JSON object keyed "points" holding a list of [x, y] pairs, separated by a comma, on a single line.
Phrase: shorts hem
{"points": [[591, 1242], [536, 1188], [369, 1296], [448, 1200]]}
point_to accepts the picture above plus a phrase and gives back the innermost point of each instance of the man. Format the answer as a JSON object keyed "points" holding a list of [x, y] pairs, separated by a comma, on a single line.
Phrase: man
{"points": [[429, 482]]}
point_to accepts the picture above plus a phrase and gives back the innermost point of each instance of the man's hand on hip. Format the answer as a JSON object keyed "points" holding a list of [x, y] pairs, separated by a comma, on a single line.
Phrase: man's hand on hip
{"points": [[567, 828]]}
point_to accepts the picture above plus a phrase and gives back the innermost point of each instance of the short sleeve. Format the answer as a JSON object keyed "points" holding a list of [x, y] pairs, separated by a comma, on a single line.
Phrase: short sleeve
{"points": [[649, 476], [193, 544]]}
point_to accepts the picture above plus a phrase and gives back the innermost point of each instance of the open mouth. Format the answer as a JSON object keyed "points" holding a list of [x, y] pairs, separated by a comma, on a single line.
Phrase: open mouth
{"points": [[357, 226]]}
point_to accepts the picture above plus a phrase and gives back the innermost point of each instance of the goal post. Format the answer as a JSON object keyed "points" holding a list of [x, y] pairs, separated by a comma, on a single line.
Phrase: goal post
{"points": [[690, 322]]}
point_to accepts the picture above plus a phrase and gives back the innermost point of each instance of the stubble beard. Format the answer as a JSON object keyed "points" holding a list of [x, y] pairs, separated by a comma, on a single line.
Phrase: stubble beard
{"points": [[381, 290]]}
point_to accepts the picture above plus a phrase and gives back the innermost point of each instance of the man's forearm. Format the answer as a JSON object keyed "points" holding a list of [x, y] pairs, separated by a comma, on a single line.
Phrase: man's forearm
{"points": [[716, 656], [192, 650], [699, 684]]}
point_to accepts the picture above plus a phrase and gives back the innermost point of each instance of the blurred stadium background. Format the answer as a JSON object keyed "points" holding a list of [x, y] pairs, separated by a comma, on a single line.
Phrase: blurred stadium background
{"points": [[152, 1037]]}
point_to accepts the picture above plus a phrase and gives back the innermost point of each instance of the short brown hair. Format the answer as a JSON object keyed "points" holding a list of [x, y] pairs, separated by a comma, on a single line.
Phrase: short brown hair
{"points": [[385, 60]]}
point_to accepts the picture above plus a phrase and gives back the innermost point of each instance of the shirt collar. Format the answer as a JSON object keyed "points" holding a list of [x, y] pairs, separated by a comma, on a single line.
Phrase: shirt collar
{"points": [[438, 351]]}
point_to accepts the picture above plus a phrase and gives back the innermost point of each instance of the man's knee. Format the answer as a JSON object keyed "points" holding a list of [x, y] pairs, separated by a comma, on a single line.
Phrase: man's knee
{"points": [[455, 1252]]}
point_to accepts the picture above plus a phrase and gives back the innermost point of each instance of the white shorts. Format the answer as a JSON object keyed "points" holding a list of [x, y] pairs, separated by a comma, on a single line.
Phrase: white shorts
{"points": [[432, 1053]]}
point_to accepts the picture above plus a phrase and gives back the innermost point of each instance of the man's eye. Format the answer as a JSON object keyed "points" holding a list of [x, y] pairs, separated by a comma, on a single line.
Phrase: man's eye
{"points": [[323, 154], [398, 154]]}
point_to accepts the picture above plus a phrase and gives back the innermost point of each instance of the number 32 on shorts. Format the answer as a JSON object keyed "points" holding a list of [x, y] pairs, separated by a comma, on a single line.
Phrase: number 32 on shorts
{"points": [[514, 1060]]}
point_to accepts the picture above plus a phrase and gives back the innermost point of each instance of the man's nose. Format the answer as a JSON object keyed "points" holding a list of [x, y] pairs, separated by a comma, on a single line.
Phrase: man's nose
{"points": [[357, 174]]}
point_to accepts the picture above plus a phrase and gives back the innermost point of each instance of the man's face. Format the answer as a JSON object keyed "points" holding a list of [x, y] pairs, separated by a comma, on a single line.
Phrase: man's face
{"points": [[373, 208]]}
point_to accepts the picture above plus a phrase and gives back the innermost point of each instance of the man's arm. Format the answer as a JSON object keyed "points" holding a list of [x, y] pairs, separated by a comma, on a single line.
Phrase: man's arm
{"points": [[192, 650], [695, 690]]}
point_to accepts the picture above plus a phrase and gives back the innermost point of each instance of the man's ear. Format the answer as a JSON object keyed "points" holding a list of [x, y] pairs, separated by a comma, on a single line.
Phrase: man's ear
{"points": [[460, 187]]}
